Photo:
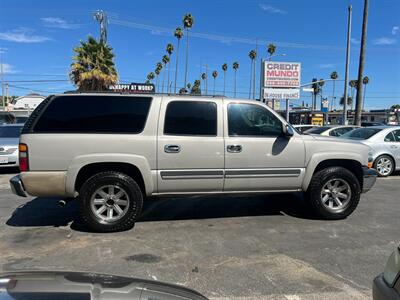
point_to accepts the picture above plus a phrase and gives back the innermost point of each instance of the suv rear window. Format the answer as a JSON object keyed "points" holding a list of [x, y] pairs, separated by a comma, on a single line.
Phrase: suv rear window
{"points": [[94, 114]]}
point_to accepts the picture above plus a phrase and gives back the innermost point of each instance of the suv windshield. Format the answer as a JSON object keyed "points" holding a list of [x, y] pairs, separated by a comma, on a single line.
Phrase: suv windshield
{"points": [[10, 131], [361, 133]]}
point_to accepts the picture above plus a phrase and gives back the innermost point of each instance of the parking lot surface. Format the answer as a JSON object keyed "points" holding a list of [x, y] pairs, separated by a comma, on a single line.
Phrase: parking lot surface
{"points": [[247, 247]]}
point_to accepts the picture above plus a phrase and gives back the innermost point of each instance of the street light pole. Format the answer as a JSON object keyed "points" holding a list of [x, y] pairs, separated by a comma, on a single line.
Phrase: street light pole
{"points": [[2, 80], [346, 77]]}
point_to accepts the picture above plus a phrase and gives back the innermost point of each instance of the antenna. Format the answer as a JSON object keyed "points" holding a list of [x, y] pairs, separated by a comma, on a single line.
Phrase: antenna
{"points": [[101, 17]]}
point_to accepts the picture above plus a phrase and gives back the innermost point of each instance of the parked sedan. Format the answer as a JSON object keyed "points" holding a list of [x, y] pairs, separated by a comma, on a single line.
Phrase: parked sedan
{"points": [[304, 127], [385, 146], [386, 286], [9, 139], [331, 130]]}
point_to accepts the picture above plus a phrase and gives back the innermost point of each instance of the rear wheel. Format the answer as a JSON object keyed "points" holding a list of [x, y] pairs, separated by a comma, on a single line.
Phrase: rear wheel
{"points": [[384, 164], [333, 193], [110, 201]]}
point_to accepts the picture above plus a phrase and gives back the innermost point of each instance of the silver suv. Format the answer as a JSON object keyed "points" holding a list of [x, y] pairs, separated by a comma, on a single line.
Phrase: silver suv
{"points": [[110, 151]]}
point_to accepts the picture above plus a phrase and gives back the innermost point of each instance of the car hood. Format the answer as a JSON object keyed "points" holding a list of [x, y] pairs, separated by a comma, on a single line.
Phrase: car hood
{"points": [[9, 142], [83, 286]]}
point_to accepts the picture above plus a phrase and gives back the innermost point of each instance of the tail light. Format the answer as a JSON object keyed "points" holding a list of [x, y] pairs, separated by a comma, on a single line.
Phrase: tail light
{"points": [[23, 158]]}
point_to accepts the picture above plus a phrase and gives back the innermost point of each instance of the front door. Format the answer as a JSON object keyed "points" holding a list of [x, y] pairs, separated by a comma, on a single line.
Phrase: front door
{"points": [[257, 155], [392, 145], [190, 148]]}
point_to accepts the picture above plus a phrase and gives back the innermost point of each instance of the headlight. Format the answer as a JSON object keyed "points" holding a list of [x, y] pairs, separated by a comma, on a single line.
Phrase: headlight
{"points": [[370, 159], [11, 150], [392, 269]]}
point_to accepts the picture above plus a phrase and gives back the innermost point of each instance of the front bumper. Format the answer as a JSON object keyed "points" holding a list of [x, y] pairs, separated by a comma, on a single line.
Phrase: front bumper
{"points": [[369, 178], [16, 186], [382, 291]]}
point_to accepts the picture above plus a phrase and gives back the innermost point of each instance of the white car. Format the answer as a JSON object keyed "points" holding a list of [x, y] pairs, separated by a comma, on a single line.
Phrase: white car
{"points": [[385, 144], [331, 130]]}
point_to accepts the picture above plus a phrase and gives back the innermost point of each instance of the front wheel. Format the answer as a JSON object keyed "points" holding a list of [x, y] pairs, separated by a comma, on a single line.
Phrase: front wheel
{"points": [[110, 201], [384, 164], [333, 193]]}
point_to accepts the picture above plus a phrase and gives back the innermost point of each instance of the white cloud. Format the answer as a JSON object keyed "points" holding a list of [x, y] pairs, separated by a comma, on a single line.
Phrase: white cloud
{"points": [[272, 9], [395, 30], [8, 69], [384, 41], [54, 22], [326, 66], [22, 35], [354, 41]]}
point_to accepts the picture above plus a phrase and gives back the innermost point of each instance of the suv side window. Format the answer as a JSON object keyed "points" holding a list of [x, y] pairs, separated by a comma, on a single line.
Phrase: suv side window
{"points": [[191, 118], [94, 114], [390, 137], [252, 120]]}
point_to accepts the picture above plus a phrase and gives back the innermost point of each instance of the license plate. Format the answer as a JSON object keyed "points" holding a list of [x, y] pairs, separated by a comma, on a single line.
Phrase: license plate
{"points": [[3, 160]]}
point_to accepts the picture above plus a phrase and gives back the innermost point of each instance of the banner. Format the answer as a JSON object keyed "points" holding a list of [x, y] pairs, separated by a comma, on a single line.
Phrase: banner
{"points": [[133, 88], [281, 93], [282, 74]]}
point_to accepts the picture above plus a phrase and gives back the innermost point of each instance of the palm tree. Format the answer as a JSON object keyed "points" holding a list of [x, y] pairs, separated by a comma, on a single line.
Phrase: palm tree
{"points": [[214, 75], [178, 33], [253, 56], [169, 49], [150, 76], [334, 76], [271, 50], [188, 21], [196, 90], [349, 101], [365, 82], [165, 60], [204, 78], [158, 69], [224, 68], [353, 85], [93, 67], [235, 67]]}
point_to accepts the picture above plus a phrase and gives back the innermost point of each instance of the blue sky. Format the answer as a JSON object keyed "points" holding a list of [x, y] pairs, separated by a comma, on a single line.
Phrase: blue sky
{"points": [[38, 37]]}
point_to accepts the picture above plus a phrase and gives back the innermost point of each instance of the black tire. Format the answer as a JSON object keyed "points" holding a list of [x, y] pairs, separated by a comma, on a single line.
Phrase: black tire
{"points": [[376, 165], [133, 196], [319, 181]]}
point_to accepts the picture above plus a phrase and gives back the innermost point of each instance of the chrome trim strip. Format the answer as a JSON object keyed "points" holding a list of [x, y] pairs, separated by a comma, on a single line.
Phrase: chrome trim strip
{"points": [[228, 192], [200, 174], [257, 173]]}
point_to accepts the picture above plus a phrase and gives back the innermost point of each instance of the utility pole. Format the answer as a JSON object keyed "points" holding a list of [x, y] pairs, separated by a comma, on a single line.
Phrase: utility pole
{"points": [[346, 76], [359, 100], [254, 72], [6, 94], [206, 79], [101, 17], [2, 79], [262, 80], [287, 110]]}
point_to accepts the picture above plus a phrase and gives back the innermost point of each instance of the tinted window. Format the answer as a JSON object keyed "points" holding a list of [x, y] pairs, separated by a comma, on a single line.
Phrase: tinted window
{"points": [[340, 131], [396, 134], [95, 114], [252, 120], [317, 130], [389, 137], [10, 131], [191, 118], [362, 133]]}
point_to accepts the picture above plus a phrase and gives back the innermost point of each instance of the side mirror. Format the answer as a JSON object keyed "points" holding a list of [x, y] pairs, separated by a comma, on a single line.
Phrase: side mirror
{"points": [[287, 130]]}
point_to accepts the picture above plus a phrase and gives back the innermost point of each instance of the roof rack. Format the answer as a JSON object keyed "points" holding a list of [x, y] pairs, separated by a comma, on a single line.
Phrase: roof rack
{"points": [[158, 94]]}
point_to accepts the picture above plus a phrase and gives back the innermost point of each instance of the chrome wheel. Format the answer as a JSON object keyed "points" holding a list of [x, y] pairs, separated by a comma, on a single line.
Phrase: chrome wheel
{"points": [[384, 166], [336, 194], [109, 203]]}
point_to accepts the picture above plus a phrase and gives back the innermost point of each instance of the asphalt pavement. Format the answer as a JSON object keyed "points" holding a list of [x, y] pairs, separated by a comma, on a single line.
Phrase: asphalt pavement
{"points": [[247, 247]]}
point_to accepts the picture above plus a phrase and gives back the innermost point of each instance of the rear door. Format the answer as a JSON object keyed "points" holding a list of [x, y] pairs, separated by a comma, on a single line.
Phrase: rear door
{"points": [[190, 146], [395, 147]]}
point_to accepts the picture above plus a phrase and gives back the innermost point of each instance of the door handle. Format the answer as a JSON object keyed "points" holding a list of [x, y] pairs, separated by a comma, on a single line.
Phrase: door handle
{"points": [[172, 148], [393, 147], [234, 148]]}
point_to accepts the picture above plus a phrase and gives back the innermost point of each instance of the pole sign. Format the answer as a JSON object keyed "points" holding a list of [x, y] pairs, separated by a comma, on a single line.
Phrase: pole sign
{"points": [[281, 80], [324, 105], [133, 88]]}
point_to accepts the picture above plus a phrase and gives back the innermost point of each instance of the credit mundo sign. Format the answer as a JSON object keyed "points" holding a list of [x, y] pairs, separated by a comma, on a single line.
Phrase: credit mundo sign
{"points": [[282, 74]]}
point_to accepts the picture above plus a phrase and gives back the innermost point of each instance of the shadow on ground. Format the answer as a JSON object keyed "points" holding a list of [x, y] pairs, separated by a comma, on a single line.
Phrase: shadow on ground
{"points": [[46, 212]]}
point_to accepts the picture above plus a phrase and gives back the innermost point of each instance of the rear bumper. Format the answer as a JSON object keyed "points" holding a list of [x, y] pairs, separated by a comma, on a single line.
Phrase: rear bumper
{"points": [[16, 186], [369, 178], [382, 291]]}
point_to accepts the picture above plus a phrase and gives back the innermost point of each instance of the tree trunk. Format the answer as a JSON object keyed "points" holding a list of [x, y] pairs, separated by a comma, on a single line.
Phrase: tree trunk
{"points": [[176, 67], [187, 55], [224, 82], [254, 79], [169, 71], [251, 77], [214, 86], [163, 78], [157, 83], [234, 88], [365, 92], [357, 119], [333, 104]]}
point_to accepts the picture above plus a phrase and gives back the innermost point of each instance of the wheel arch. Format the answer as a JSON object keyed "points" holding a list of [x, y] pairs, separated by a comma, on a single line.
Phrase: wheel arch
{"points": [[352, 165], [134, 166], [386, 154]]}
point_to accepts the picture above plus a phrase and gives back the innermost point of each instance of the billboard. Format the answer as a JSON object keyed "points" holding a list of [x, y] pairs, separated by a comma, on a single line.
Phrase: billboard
{"points": [[282, 74], [270, 93]]}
